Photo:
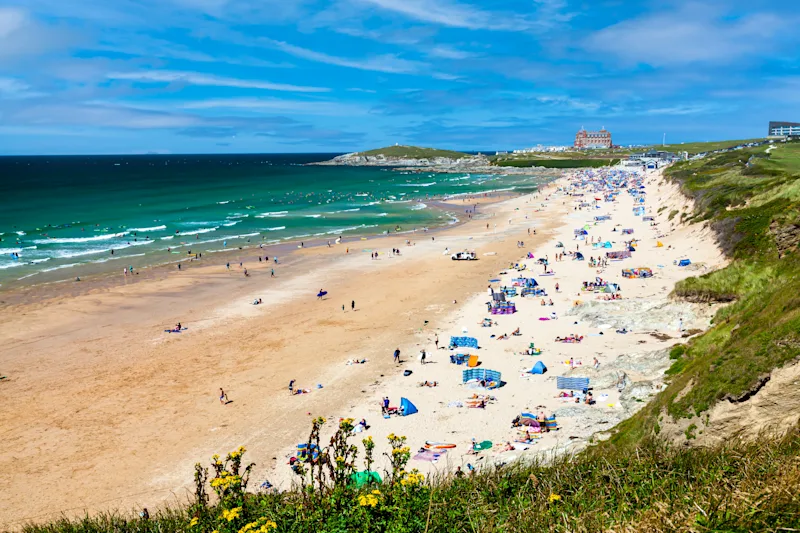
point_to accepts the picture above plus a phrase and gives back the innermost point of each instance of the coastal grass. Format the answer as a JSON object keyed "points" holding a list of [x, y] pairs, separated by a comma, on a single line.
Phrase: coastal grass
{"points": [[700, 147], [413, 152], [557, 163], [733, 487], [752, 199]]}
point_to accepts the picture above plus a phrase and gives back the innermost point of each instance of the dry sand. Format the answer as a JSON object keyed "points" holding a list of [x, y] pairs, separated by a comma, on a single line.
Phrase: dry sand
{"points": [[103, 410]]}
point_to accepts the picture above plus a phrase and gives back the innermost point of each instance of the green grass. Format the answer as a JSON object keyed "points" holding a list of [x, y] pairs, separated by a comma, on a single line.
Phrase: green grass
{"points": [[413, 152], [760, 329], [557, 163], [734, 487], [698, 147]]}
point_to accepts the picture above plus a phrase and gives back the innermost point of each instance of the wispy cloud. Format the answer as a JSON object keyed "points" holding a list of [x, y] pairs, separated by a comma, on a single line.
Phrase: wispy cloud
{"points": [[448, 52], [304, 107], [458, 15], [694, 34], [197, 78], [389, 63]]}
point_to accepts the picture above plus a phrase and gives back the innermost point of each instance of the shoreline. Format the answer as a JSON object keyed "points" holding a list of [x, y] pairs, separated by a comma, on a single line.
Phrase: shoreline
{"points": [[103, 278], [95, 371]]}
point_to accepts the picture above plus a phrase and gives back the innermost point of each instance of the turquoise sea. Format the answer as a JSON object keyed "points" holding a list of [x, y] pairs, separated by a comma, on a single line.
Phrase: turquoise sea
{"points": [[60, 214]]}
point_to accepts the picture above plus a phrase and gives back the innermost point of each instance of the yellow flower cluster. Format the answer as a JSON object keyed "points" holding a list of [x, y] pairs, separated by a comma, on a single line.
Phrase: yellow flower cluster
{"points": [[412, 479], [193, 522], [369, 500], [554, 498], [225, 480], [404, 449], [238, 453], [231, 515], [262, 525]]}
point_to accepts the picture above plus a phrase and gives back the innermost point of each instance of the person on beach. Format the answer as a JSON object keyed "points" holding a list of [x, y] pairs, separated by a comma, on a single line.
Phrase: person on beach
{"points": [[223, 397], [353, 305], [397, 355], [436, 341], [228, 266], [291, 386], [272, 273], [422, 356]]}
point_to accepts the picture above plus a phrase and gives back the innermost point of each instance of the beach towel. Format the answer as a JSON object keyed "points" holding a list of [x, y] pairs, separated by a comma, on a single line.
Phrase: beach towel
{"points": [[482, 446], [429, 455]]}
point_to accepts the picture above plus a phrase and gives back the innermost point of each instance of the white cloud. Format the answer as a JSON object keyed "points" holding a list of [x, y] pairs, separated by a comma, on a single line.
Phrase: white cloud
{"points": [[694, 34], [447, 52], [197, 78], [456, 15], [291, 107], [11, 19], [390, 63]]}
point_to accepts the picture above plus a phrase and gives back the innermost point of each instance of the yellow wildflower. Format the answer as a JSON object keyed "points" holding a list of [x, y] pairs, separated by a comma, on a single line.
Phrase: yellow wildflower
{"points": [[554, 498], [193, 522], [376, 491], [231, 515], [370, 500]]}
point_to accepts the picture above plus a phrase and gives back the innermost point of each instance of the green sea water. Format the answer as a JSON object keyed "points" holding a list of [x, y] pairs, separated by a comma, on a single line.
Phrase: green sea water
{"points": [[60, 214]]}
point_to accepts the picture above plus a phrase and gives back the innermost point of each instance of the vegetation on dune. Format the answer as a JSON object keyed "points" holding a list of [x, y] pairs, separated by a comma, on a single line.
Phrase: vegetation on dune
{"points": [[736, 487], [557, 163], [413, 152], [700, 147], [752, 199]]}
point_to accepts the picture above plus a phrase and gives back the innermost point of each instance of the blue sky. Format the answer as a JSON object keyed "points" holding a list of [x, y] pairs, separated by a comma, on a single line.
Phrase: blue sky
{"points": [[180, 76]]}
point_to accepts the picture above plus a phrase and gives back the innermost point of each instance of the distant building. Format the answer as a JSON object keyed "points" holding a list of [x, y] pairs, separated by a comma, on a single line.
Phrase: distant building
{"points": [[593, 139], [784, 129]]}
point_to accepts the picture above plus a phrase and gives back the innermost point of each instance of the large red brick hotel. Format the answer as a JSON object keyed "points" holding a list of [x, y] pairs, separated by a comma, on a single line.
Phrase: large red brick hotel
{"points": [[593, 139]]}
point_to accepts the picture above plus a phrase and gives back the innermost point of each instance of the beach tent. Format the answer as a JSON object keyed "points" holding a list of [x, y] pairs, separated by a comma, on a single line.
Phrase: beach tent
{"points": [[578, 256], [684, 262], [538, 368], [631, 248], [406, 407], [360, 479], [659, 244], [607, 244]]}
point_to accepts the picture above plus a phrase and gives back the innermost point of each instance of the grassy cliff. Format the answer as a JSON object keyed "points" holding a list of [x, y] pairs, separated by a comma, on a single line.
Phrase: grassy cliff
{"points": [[413, 152], [751, 198], [751, 487]]}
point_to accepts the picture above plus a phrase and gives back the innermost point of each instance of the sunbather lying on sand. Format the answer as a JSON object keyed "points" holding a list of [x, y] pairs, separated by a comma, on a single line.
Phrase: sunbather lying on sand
{"points": [[429, 383], [502, 337], [302, 391], [516, 333]]}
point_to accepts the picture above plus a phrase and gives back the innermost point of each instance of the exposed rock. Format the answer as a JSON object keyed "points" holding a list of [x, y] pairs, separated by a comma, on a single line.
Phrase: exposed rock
{"points": [[787, 237]]}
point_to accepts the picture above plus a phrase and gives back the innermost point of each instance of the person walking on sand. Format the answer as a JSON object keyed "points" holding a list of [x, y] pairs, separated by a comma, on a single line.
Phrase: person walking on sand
{"points": [[436, 341], [291, 387], [223, 397], [353, 305], [397, 355], [272, 273]]}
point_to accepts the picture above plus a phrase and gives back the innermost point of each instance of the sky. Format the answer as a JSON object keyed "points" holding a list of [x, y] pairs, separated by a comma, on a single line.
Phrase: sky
{"points": [[236, 76]]}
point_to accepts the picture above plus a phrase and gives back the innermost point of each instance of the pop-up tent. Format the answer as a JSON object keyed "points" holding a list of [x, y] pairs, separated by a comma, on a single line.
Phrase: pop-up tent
{"points": [[684, 262], [406, 407], [538, 368], [360, 479], [578, 256]]}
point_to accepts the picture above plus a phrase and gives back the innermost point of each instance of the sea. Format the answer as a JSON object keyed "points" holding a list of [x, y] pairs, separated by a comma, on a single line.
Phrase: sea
{"points": [[59, 215]]}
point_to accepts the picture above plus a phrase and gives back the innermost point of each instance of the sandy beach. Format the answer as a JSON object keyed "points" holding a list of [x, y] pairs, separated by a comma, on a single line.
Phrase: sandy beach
{"points": [[103, 404]]}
